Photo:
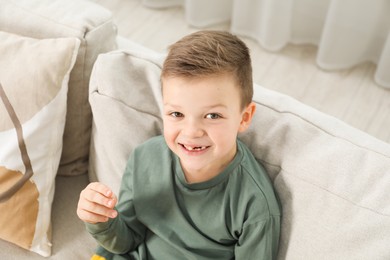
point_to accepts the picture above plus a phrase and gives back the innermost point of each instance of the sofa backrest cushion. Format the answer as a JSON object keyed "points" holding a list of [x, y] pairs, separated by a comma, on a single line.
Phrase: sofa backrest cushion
{"points": [[332, 180], [124, 115], [94, 27]]}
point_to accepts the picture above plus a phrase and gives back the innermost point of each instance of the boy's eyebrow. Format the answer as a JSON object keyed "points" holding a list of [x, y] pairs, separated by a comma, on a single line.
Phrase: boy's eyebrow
{"points": [[168, 104], [216, 106], [207, 107]]}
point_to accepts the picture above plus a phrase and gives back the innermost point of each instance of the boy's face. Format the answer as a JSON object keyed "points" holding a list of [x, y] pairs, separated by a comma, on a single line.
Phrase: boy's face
{"points": [[202, 118]]}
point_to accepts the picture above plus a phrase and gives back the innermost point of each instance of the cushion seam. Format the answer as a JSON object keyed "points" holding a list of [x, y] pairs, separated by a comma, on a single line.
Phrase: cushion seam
{"points": [[323, 130]]}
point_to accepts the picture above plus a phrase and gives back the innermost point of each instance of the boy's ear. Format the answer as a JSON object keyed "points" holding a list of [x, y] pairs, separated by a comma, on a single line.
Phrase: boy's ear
{"points": [[247, 116]]}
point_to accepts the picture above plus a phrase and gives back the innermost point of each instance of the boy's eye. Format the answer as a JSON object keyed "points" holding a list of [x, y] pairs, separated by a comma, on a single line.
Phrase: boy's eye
{"points": [[213, 116], [176, 114]]}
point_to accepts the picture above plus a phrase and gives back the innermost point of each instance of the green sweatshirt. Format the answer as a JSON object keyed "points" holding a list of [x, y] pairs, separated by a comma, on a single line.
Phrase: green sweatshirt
{"points": [[235, 215]]}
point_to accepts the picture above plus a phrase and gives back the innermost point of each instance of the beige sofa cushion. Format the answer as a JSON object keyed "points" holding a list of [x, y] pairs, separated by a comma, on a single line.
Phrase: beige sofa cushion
{"points": [[124, 115], [332, 180], [34, 84], [90, 23]]}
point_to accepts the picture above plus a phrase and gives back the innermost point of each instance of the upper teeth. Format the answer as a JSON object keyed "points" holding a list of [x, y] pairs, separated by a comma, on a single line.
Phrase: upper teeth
{"points": [[194, 148]]}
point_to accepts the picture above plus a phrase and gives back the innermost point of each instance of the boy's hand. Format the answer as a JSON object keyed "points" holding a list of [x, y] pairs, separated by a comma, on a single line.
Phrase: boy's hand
{"points": [[96, 203]]}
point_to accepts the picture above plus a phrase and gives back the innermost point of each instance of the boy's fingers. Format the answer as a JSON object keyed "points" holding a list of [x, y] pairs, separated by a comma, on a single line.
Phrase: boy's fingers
{"points": [[114, 198], [97, 209], [89, 217], [96, 203], [101, 188], [96, 196]]}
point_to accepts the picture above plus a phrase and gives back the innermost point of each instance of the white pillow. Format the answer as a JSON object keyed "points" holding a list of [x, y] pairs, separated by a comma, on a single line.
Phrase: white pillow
{"points": [[93, 26], [34, 79]]}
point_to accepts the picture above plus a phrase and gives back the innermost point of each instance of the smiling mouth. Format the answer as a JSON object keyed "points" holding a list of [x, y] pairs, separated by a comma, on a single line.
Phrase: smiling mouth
{"points": [[194, 148]]}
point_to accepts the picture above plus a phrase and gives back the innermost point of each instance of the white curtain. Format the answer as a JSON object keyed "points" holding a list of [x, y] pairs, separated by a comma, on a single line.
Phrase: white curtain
{"points": [[347, 32]]}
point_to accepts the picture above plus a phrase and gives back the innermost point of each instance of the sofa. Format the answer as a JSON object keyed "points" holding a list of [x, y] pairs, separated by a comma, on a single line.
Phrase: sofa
{"points": [[83, 97]]}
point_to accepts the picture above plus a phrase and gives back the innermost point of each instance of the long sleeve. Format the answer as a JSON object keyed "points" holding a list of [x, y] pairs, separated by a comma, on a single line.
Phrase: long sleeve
{"points": [[232, 216], [125, 232], [259, 240]]}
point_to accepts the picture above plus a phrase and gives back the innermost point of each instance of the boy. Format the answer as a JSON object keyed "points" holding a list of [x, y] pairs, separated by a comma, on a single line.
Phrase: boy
{"points": [[197, 192]]}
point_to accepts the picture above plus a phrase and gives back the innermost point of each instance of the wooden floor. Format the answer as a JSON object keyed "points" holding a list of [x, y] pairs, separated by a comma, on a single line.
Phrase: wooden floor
{"points": [[350, 95]]}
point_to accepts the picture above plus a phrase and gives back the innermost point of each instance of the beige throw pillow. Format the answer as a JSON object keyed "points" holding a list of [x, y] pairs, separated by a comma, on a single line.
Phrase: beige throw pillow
{"points": [[90, 23], [34, 79]]}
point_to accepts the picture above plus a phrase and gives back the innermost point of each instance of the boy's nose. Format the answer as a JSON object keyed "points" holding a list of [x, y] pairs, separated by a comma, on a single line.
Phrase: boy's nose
{"points": [[192, 129]]}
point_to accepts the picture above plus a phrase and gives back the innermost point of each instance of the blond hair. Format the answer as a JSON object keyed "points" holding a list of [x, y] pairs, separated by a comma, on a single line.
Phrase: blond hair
{"points": [[206, 53]]}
